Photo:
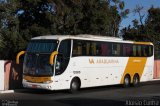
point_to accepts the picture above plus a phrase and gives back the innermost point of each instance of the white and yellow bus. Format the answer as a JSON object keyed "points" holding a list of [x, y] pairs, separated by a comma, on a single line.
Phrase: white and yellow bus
{"points": [[74, 62]]}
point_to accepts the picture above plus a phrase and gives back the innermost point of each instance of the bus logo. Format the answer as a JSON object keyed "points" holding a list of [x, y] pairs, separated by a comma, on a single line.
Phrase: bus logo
{"points": [[91, 61], [103, 61]]}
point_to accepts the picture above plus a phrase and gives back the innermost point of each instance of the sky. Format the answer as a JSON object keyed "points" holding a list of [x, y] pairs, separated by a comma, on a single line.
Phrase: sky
{"points": [[131, 4]]}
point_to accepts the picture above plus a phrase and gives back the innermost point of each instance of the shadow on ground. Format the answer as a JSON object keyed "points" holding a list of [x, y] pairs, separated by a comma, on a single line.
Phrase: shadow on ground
{"points": [[93, 102], [73, 102], [84, 90]]}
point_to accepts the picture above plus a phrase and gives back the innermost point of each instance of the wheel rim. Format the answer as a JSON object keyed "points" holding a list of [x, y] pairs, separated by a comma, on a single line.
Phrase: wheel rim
{"points": [[136, 80], [126, 81], [74, 85]]}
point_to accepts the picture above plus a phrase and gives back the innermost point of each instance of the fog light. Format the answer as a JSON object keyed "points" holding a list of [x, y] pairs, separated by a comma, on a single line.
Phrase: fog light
{"points": [[48, 87]]}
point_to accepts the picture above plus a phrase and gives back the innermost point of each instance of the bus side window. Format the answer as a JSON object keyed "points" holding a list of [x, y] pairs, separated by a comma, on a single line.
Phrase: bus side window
{"points": [[93, 48], [65, 48], [84, 50], [150, 51], [134, 51], [145, 50], [116, 49], [63, 56], [105, 50], [77, 48], [98, 49], [139, 50], [88, 48], [127, 50]]}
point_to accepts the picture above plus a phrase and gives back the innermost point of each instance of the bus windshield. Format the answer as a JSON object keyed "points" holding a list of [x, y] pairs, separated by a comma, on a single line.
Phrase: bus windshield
{"points": [[36, 62]]}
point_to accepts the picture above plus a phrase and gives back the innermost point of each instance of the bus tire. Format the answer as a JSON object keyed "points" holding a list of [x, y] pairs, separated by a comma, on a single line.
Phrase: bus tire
{"points": [[136, 80], [126, 81], [75, 85]]}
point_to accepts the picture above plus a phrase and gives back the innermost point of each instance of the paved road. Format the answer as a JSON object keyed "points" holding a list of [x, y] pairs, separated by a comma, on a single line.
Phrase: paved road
{"points": [[146, 94]]}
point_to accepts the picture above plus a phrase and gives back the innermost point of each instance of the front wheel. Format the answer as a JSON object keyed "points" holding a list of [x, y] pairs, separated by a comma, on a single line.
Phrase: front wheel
{"points": [[74, 86]]}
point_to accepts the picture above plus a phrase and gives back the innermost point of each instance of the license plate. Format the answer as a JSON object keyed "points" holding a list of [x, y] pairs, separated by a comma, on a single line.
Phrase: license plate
{"points": [[34, 86]]}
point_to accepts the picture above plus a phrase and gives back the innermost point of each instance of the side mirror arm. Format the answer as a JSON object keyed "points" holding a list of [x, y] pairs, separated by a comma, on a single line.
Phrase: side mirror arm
{"points": [[52, 56], [18, 56]]}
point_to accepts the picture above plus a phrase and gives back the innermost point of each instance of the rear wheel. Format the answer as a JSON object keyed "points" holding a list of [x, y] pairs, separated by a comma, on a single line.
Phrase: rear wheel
{"points": [[126, 82], [74, 86], [136, 80]]}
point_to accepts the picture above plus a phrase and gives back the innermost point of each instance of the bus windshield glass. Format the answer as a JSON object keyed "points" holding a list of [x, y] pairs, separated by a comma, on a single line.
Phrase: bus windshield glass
{"points": [[36, 62], [42, 46]]}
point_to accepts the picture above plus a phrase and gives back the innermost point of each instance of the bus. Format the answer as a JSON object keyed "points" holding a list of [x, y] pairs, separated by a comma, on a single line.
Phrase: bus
{"points": [[58, 62]]}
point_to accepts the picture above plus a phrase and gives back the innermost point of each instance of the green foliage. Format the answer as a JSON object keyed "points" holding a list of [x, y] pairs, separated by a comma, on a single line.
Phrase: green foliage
{"points": [[150, 31], [8, 30], [23, 19]]}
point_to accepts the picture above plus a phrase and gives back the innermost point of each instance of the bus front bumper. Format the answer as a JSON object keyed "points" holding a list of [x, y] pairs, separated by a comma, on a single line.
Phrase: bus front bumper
{"points": [[46, 86]]}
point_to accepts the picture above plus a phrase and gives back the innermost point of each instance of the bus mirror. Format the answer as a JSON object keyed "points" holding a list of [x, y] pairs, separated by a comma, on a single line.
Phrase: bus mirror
{"points": [[52, 56], [18, 56]]}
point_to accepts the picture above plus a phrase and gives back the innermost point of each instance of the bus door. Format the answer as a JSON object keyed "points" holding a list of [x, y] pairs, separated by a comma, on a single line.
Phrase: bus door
{"points": [[62, 59]]}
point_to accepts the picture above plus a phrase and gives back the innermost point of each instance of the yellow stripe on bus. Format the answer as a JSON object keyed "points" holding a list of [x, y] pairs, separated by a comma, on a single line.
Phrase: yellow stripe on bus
{"points": [[145, 43], [37, 79], [134, 65]]}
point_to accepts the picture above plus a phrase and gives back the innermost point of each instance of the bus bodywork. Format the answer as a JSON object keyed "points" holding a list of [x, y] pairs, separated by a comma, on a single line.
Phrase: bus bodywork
{"points": [[56, 62]]}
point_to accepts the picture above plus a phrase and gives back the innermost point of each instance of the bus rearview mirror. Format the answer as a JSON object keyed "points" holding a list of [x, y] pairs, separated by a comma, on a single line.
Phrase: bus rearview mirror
{"points": [[18, 56], [52, 56]]}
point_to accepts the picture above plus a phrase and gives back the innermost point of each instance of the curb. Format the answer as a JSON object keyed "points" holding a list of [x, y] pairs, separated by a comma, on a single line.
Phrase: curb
{"points": [[7, 91], [155, 79]]}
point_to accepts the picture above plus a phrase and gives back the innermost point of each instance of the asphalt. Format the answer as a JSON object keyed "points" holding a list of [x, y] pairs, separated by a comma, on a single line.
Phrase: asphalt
{"points": [[146, 94]]}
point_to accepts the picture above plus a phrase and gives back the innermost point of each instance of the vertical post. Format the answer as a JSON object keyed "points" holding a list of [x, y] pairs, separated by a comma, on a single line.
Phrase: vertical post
{"points": [[1, 75], [158, 69]]}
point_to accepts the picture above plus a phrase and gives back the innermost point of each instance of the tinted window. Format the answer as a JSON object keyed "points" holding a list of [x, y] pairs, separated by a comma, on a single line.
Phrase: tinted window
{"points": [[127, 50], [139, 50], [150, 50], [63, 57], [134, 51], [145, 50], [116, 49], [90, 48], [65, 48], [42, 46], [105, 49], [77, 48], [98, 48]]}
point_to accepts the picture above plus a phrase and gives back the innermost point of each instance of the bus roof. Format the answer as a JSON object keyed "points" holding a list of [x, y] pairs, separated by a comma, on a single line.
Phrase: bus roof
{"points": [[88, 37]]}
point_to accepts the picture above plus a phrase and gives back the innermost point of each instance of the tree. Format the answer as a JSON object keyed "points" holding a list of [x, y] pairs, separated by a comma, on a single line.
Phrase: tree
{"points": [[139, 10], [73, 16], [150, 32], [116, 17], [152, 26], [23, 19], [9, 30]]}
